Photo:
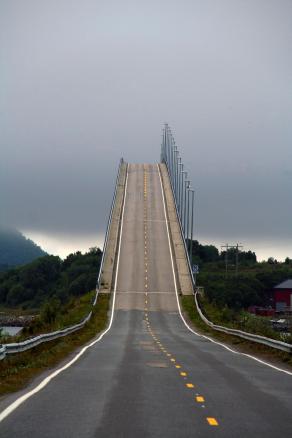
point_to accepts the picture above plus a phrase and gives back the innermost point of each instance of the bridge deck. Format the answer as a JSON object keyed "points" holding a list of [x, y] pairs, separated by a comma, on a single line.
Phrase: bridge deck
{"points": [[145, 264]]}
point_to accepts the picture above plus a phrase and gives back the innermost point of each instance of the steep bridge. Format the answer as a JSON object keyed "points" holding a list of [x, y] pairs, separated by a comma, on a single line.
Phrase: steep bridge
{"points": [[151, 374]]}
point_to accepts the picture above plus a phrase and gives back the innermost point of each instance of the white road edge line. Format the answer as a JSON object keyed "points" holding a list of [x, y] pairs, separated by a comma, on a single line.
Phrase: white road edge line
{"points": [[178, 303], [7, 411]]}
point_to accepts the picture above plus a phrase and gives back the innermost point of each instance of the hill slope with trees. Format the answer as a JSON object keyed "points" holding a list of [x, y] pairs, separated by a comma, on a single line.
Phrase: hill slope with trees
{"points": [[16, 249], [49, 277]]}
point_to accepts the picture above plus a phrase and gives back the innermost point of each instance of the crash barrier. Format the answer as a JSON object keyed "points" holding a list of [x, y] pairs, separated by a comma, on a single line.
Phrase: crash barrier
{"points": [[18, 347], [273, 343]]}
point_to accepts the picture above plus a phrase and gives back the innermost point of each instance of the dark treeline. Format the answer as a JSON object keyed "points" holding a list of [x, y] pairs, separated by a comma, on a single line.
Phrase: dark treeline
{"points": [[252, 286], [246, 289], [209, 253], [49, 277]]}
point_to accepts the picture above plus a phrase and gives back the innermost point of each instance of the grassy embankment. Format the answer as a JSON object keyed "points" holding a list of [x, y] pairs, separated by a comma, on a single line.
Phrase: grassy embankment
{"points": [[18, 369], [215, 315], [65, 315]]}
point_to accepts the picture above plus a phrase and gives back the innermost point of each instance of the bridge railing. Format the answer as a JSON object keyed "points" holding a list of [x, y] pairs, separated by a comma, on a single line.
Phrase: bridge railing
{"points": [[107, 229], [182, 191]]}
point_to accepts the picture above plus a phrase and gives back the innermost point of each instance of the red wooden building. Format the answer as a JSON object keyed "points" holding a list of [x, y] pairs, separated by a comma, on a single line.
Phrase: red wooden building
{"points": [[283, 295]]}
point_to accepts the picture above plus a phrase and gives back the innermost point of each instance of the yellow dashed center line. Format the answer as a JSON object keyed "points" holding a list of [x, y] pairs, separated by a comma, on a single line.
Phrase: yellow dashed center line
{"points": [[198, 398], [212, 421]]}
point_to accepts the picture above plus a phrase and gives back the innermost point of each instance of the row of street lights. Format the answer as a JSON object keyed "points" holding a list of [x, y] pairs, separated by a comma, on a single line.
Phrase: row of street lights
{"points": [[183, 193]]}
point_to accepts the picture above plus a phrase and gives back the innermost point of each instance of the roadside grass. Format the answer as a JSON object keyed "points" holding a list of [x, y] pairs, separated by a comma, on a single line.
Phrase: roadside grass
{"points": [[69, 314], [261, 351], [17, 311], [240, 320], [18, 369]]}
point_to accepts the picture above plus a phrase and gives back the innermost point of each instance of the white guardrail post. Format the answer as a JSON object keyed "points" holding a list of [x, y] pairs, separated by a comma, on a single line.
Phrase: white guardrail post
{"points": [[18, 347]]}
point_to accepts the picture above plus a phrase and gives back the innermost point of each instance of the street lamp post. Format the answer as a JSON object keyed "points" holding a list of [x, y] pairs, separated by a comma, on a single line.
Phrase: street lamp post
{"points": [[176, 175], [173, 160], [184, 175], [169, 152], [183, 194], [179, 183], [174, 167], [188, 221], [165, 151], [187, 185], [192, 227], [181, 177]]}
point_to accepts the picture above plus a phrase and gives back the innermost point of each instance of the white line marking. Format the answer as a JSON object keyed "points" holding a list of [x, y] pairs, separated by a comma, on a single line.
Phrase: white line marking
{"points": [[7, 411], [143, 292], [145, 220], [179, 308]]}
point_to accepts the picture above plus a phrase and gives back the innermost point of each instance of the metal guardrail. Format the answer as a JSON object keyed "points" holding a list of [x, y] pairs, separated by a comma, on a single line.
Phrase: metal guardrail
{"points": [[2, 352], [273, 343], [108, 228], [18, 347], [181, 229]]}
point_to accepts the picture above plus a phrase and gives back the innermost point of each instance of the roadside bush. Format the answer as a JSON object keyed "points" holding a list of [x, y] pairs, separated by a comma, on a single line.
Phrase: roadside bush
{"points": [[78, 286], [50, 310]]}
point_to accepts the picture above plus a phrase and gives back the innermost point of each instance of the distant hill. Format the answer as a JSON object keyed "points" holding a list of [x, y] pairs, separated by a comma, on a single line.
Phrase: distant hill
{"points": [[16, 249]]}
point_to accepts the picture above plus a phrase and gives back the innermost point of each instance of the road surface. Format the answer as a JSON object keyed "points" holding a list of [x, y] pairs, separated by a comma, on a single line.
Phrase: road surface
{"points": [[150, 376]]}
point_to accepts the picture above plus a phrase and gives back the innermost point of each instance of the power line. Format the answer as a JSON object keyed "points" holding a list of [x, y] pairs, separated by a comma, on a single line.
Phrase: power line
{"points": [[237, 249]]}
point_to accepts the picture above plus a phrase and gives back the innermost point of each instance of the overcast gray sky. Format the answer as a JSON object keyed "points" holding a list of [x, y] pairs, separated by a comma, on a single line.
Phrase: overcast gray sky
{"points": [[86, 82]]}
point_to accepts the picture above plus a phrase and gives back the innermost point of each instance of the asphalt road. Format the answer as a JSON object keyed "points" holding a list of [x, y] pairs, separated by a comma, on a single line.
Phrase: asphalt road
{"points": [[150, 376]]}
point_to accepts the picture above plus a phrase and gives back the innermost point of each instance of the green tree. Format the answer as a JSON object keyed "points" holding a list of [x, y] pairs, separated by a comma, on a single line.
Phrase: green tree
{"points": [[16, 295], [50, 310]]}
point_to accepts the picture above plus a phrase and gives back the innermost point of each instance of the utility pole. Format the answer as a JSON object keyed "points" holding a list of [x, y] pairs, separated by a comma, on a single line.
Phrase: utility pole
{"points": [[237, 248], [226, 257]]}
